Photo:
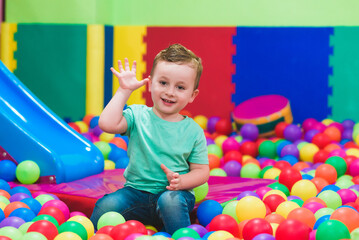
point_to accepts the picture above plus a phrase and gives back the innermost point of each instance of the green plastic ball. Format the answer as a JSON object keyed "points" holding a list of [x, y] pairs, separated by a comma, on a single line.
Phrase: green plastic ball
{"points": [[268, 149], [215, 149], [338, 163], [280, 187], [185, 232], [104, 147], [75, 227], [200, 192], [27, 172], [219, 172], [332, 230], [110, 218], [250, 170]]}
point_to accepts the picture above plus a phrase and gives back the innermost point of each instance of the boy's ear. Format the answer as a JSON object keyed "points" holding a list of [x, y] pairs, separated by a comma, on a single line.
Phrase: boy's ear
{"points": [[194, 95], [149, 83]]}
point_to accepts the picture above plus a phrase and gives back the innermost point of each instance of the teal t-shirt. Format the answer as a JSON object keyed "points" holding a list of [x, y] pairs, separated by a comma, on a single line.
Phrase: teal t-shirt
{"points": [[153, 141]]}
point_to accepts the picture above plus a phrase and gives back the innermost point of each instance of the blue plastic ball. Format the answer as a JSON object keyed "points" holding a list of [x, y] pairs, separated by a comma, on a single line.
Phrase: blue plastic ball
{"points": [[207, 210], [4, 185], [24, 213], [33, 204], [20, 189], [7, 170], [122, 163]]}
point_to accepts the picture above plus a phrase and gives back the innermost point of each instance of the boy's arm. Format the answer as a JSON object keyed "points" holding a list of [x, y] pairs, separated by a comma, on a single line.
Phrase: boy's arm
{"points": [[198, 175], [111, 119]]}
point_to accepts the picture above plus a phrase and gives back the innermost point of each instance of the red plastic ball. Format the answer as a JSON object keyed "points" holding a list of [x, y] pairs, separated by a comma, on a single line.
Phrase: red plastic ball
{"points": [[224, 222], [224, 127], [289, 176], [279, 129], [281, 164], [121, 231], [321, 140], [292, 229], [106, 229], [273, 200], [256, 226], [321, 156], [46, 228], [232, 155], [54, 212], [249, 148]]}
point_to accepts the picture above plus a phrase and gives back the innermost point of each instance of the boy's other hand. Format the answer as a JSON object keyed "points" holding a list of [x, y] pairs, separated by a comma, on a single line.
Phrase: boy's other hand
{"points": [[173, 178], [127, 77]]}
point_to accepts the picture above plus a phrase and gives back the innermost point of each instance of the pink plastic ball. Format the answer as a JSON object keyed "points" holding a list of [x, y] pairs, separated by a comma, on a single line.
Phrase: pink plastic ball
{"points": [[230, 144], [60, 205], [354, 168], [347, 195]]}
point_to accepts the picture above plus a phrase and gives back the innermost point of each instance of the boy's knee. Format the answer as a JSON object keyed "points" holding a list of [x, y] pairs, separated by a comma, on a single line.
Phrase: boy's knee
{"points": [[171, 199]]}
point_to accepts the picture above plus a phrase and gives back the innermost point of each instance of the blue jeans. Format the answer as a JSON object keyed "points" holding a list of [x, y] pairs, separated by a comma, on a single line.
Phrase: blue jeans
{"points": [[170, 209]]}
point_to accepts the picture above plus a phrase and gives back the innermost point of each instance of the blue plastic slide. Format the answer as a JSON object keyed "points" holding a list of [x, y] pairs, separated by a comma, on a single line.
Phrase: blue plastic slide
{"points": [[29, 130]]}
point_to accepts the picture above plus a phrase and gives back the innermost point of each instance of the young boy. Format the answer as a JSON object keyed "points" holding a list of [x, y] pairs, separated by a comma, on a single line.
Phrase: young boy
{"points": [[167, 151]]}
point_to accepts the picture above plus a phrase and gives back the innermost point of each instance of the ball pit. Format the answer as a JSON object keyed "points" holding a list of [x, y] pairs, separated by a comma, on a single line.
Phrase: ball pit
{"points": [[315, 195]]}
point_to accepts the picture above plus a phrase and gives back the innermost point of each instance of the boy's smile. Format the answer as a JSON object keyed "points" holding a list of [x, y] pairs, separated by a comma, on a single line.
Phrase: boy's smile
{"points": [[172, 88]]}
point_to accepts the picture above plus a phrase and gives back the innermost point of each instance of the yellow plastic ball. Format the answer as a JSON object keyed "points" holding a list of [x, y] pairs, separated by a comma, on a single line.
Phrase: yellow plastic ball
{"points": [[327, 121], [245, 158], [307, 152], [275, 191], [83, 126], [67, 236], [2, 205], [150, 227], [219, 140], [352, 152], [109, 165], [201, 121], [304, 189], [220, 235], [274, 227], [84, 221], [106, 137], [271, 173], [250, 207], [286, 207]]}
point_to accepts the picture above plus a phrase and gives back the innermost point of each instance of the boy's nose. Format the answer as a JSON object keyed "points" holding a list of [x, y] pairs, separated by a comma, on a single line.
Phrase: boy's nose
{"points": [[170, 91]]}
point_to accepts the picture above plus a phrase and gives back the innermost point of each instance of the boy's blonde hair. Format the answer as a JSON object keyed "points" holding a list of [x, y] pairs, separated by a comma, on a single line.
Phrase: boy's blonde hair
{"points": [[177, 53]]}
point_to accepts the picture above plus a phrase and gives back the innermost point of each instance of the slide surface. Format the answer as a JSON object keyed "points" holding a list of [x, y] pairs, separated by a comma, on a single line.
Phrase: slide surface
{"points": [[31, 131]]}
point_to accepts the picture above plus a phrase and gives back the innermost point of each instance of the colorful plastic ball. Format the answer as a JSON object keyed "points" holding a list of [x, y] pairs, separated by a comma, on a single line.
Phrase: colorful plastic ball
{"points": [[232, 155], [333, 133], [207, 210], [309, 135], [224, 222], [304, 215], [220, 235], [249, 131], [272, 173], [290, 149], [46, 218], [230, 209], [215, 149], [122, 162], [232, 168], [109, 165], [12, 221], [24, 213], [247, 193], [289, 176], [292, 132], [230, 144], [11, 232], [279, 129], [314, 206], [268, 149], [264, 236], [4, 185], [94, 121], [274, 218], [211, 124], [307, 152], [218, 140], [54, 212], [249, 148], [116, 152], [18, 197], [250, 207], [34, 236], [43, 198], [250, 170], [347, 195], [46, 228], [201, 192], [304, 189], [348, 216], [219, 172], [106, 137], [7, 170], [292, 229], [104, 147], [273, 201], [105, 230], [332, 229], [75, 227], [110, 218], [255, 227], [321, 140], [338, 163], [60, 205], [308, 124], [27, 172], [201, 120], [321, 156], [331, 198], [223, 126], [199, 229], [74, 236], [12, 206], [213, 161], [327, 172], [33, 204], [322, 212], [286, 207]]}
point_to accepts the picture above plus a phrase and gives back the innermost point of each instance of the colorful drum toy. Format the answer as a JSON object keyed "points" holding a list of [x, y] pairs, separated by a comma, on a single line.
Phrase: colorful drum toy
{"points": [[265, 112]]}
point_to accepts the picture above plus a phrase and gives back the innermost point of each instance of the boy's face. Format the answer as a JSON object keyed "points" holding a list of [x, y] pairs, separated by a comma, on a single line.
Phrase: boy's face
{"points": [[172, 88]]}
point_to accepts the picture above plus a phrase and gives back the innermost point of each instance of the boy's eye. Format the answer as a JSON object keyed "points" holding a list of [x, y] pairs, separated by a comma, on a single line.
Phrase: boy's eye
{"points": [[180, 87], [163, 83]]}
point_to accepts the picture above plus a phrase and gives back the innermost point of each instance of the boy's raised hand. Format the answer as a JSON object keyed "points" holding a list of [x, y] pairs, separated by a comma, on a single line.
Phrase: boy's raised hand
{"points": [[173, 179], [127, 77]]}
